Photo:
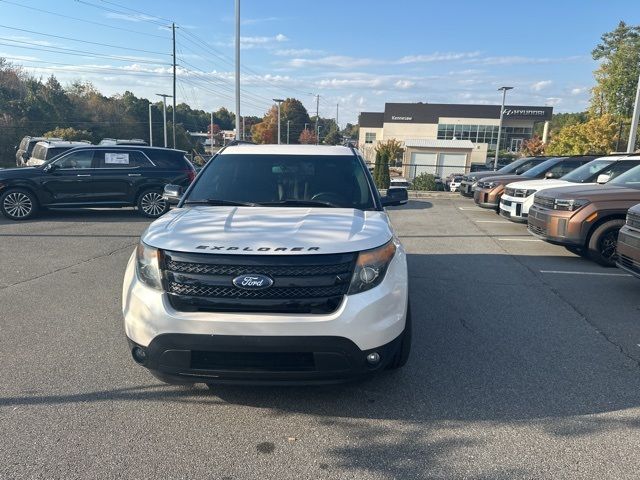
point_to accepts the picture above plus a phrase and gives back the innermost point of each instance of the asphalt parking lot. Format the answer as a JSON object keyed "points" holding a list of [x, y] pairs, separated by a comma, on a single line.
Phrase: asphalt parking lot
{"points": [[525, 364]]}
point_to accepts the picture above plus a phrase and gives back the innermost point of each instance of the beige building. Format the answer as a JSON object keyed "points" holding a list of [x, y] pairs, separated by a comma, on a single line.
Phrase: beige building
{"points": [[432, 133]]}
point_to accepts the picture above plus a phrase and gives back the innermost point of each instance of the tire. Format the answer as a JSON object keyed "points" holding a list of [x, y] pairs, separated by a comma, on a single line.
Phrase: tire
{"points": [[18, 204], [402, 355], [151, 204], [602, 243], [581, 252]]}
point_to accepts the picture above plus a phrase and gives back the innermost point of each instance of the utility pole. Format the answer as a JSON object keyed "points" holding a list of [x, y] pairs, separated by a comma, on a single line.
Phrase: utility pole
{"points": [[631, 146], [504, 95], [244, 127], [173, 113], [278, 101], [164, 114], [305, 125], [211, 133], [237, 69], [337, 108], [150, 127], [288, 122], [317, 117]]}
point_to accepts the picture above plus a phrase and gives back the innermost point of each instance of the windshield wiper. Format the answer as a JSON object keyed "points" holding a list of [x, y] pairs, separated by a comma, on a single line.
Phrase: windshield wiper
{"points": [[220, 202], [298, 203]]}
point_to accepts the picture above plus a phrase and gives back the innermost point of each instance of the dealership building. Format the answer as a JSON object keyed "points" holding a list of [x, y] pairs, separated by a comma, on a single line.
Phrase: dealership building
{"points": [[444, 138]]}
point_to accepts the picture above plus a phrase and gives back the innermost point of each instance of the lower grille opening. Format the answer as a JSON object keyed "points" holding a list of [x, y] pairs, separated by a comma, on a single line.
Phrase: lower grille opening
{"points": [[253, 361]]}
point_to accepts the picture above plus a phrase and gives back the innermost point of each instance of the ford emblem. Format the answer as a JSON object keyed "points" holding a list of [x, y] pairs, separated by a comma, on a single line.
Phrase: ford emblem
{"points": [[252, 282]]}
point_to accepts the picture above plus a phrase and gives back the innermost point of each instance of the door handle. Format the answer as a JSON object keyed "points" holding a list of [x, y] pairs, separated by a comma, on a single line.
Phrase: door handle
{"points": [[83, 175], [135, 174]]}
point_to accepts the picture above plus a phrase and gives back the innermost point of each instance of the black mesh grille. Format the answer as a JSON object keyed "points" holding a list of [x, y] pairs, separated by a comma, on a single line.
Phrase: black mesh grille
{"points": [[272, 270], [537, 230], [234, 292]]}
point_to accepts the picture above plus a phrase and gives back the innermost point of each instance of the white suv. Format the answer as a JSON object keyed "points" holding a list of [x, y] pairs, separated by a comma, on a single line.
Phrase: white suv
{"points": [[279, 265], [518, 196]]}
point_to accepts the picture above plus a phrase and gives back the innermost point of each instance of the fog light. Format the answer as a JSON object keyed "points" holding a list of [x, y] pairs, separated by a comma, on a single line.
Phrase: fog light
{"points": [[373, 358], [139, 355]]}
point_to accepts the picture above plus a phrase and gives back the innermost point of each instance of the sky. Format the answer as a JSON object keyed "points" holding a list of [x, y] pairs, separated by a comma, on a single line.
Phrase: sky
{"points": [[358, 54]]}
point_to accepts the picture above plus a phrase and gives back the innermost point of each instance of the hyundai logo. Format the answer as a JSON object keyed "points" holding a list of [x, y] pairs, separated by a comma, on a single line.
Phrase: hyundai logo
{"points": [[252, 282]]}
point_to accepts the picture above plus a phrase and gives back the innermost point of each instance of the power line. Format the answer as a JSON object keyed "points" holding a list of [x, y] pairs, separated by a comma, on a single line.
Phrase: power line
{"points": [[136, 11], [78, 53], [83, 20], [82, 41], [120, 12]]}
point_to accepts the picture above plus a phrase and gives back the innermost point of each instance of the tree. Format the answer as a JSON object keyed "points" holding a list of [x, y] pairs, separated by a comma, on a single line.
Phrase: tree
{"points": [[224, 118], [333, 138], [377, 167], [307, 137], [385, 179], [292, 111], [532, 147], [68, 133], [617, 76], [393, 150], [596, 136], [267, 130]]}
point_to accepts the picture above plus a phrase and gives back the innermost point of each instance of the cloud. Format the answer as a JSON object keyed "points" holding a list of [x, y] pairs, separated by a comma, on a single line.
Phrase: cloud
{"points": [[340, 61], [297, 52], [436, 57], [343, 61], [541, 85], [262, 40], [254, 21], [404, 84], [553, 101], [519, 60], [131, 17], [578, 90]]}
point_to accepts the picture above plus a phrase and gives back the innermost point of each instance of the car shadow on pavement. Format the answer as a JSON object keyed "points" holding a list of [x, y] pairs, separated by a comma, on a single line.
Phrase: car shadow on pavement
{"points": [[82, 215], [412, 205]]}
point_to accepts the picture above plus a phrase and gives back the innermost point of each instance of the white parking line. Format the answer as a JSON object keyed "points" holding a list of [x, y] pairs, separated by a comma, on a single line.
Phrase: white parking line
{"points": [[519, 239], [475, 209], [492, 221], [601, 274]]}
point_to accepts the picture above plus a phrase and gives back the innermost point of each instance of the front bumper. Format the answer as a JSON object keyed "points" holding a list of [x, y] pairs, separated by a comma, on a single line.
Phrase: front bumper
{"points": [[515, 209], [366, 321], [466, 188], [628, 250], [556, 226], [486, 198], [185, 358]]}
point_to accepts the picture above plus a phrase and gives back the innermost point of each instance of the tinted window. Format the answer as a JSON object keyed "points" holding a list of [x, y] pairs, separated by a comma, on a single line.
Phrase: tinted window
{"points": [[540, 170], [54, 151], [629, 179], [524, 164], [338, 180], [620, 167], [121, 159], [586, 172], [79, 159], [173, 160], [564, 167]]}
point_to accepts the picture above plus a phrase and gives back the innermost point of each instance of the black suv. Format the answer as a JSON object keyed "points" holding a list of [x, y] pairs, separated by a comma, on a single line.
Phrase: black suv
{"points": [[96, 176]]}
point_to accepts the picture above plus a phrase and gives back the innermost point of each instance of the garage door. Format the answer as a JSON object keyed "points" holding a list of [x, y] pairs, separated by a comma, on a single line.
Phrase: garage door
{"points": [[449, 163], [422, 163]]}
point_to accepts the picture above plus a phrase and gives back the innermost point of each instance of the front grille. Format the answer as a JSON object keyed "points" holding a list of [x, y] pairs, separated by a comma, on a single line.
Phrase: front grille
{"points": [[537, 230], [544, 202], [628, 263], [301, 283], [633, 220], [510, 192], [630, 240]]}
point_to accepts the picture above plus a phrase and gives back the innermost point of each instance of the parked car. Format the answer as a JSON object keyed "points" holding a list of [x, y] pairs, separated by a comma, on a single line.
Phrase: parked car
{"points": [[469, 182], [95, 176], [489, 190], [628, 246], [279, 265], [454, 183], [518, 196], [24, 150], [586, 219], [45, 150], [122, 141]]}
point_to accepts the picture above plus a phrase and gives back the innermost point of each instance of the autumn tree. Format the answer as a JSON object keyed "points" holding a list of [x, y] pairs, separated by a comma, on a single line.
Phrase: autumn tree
{"points": [[68, 133], [267, 130], [307, 137], [596, 136], [532, 147]]}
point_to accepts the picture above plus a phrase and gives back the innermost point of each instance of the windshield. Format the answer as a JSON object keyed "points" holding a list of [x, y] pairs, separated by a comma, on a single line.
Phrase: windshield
{"points": [[587, 171], [541, 169], [525, 163], [284, 180], [630, 179]]}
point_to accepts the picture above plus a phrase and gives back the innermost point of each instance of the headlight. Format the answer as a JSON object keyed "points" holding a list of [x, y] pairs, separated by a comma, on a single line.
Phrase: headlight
{"points": [[147, 266], [489, 185], [371, 267], [529, 193], [568, 205]]}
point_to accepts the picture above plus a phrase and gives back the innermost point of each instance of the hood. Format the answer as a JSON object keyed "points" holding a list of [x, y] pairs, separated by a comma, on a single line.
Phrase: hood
{"points": [[20, 172], [539, 184], [268, 230], [594, 192], [502, 179]]}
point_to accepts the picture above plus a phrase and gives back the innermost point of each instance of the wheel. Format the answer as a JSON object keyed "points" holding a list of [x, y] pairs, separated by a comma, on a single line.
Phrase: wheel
{"points": [[151, 204], [602, 244], [581, 252], [18, 204], [402, 355]]}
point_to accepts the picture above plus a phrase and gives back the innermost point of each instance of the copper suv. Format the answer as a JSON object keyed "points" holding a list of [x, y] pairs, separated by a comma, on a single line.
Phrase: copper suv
{"points": [[489, 191], [517, 167], [628, 247], [586, 219]]}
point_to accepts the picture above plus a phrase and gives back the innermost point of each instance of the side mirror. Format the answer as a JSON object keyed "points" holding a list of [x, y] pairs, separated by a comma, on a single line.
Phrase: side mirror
{"points": [[519, 171], [388, 201], [603, 178], [172, 194], [549, 175], [49, 167]]}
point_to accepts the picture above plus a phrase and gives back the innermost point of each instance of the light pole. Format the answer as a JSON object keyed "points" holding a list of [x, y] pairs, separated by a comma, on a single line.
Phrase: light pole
{"points": [[631, 146], [150, 127], [237, 69], [278, 101], [288, 123], [504, 96], [164, 114]]}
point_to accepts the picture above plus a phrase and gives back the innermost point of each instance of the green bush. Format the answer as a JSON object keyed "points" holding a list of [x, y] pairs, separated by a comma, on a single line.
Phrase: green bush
{"points": [[424, 182]]}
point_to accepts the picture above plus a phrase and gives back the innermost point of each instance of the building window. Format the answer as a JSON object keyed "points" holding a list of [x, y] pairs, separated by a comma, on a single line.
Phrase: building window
{"points": [[485, 134], [369, 137]]}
